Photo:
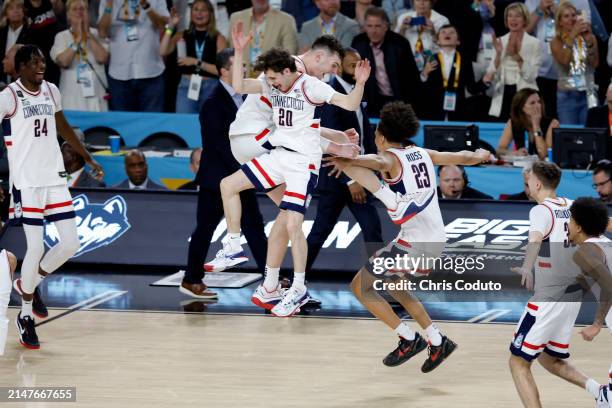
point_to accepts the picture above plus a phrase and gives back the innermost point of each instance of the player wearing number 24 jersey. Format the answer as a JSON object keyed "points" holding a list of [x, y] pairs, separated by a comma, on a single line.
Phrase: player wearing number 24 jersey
{"points": [[32, 117]]}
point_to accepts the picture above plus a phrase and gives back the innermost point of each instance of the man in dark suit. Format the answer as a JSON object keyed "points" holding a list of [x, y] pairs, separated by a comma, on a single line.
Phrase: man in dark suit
{"points": [[446, 77], [217, 113], [394, 72], [601, 117], [194, 166], [137, 171], [335, 194], [78, 176], [453, 184]]}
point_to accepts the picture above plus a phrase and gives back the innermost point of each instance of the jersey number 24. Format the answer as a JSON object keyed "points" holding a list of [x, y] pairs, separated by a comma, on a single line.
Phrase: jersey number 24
{"points": [[40, 129]]}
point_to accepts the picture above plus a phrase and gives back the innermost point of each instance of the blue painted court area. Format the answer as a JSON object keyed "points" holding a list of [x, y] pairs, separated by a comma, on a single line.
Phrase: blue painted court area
{"points": [[114, 290]]}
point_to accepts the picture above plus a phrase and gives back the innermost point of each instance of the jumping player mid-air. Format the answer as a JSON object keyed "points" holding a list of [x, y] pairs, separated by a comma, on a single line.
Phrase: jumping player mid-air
{"points": [[31, 109], [408, 171]]}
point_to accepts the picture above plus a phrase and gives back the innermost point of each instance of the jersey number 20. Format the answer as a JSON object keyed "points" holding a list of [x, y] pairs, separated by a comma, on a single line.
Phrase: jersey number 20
{"points": [[38, 129], [285, 117], [421, 175]]}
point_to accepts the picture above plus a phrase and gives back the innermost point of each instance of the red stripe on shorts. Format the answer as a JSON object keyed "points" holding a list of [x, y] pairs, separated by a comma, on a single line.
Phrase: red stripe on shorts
{"points": [[314, 126], [531, 346], [265, 100], [296, 195], [532, 306], [58, 205], [263, 173], [544, 264], [404, 243], [262, 134], [563, 346]]}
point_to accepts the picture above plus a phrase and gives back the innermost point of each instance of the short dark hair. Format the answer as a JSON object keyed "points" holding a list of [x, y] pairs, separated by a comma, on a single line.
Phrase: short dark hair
{"points": [[350, 50], [330, 44], [604, 165], [548, 173], [276, 59], [398, 122], [591, 215], [448, 26], [223, 59], [377, 12], [25, 54]]}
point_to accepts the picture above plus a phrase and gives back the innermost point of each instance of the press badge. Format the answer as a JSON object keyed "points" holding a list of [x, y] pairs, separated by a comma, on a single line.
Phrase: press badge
{"points": [[195, 83], [131, 31], [450, 101], [85, 78]]}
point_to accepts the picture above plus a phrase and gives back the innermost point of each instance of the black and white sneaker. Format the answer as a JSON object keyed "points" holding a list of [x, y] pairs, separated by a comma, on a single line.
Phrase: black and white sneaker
{"points": [[27, 333], [405, 350], [437, 354], [38, 306]]}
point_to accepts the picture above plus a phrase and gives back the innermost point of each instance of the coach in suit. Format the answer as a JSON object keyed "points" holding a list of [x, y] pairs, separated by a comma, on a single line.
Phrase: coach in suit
{"points": [[329, 21], [218, 112], [335, 194], [277, 29], [137, 171], [394, 72], [601, 117]]}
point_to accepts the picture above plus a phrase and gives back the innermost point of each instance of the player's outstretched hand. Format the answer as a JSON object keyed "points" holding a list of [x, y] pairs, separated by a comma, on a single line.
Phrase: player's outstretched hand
{"points": [[527, 277], [362, 71], [484, 155], [339, 164], [589, 332], [98, 171], [347, 150], [352, 135], [239, 40]]}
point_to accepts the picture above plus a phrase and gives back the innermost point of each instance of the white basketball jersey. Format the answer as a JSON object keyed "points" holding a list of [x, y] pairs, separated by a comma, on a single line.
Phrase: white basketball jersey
{"points": [[555, 268], [294, 114], [30, 135], [255, 113], [417, 184]]}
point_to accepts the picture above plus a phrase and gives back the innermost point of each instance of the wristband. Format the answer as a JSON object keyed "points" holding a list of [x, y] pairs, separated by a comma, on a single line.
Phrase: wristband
{"points": [[108, 10], [538, 133], [169, 30]]}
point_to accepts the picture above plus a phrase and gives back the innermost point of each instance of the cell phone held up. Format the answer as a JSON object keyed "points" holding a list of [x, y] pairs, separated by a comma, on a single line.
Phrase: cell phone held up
{"points": [[418, 21]]}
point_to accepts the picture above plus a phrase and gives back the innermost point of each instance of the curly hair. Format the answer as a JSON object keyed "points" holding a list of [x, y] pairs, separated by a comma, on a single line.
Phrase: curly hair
{"points": [[276, 59], [398, 122], [548, 173], [591, 215]]}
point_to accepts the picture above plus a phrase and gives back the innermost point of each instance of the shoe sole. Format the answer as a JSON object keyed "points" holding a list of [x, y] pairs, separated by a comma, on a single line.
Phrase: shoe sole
{"points": [[24, 344], [442, 359], [17, 287], [212, 268], [423, 347], [296, 310], [193, 295], [258, 302]]}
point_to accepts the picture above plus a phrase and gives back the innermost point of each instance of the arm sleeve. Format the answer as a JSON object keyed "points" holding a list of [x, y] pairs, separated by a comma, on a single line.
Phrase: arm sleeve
{"points": [[318, 91], [540, 219], [7, 103]]}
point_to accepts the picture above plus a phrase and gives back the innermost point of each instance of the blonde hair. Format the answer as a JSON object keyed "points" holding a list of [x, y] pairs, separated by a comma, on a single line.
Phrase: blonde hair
{"points": [[560, 10], [521, 8], [5, 6], [69, 4], [212, 21]]}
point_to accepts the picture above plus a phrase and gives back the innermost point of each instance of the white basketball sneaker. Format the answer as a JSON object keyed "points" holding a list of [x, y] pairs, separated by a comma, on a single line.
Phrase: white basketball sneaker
{"points": [[409, 205], [602, 400], [226, 258], [266, 299], [291, 303]]}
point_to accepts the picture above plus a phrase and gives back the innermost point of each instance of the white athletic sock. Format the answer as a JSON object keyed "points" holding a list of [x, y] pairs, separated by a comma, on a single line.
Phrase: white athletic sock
{"points": [[592, 387], [39, 278], [26, 308], [298, 280], [233, 240], [433, 334], [405, 332], [271, 280], [387, 197]]}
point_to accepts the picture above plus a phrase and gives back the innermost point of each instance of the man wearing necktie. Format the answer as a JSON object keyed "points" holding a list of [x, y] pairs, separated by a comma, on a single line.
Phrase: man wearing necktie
{"points": [[217, 162]]}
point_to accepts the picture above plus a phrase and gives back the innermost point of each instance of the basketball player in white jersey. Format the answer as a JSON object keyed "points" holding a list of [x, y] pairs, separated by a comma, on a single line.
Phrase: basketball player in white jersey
{"points": [[8, 264], [408, 171], [295, 160], [250, 135], [588, 223], [32, 115], [545, 329]]}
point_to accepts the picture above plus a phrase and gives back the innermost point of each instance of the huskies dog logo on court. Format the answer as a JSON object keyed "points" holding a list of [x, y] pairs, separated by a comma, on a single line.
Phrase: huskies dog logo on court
{"points": [[98, 224]]}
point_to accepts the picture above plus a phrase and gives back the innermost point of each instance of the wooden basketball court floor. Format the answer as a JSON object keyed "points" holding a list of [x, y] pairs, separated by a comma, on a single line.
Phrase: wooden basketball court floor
{"points": [[169, 359]]}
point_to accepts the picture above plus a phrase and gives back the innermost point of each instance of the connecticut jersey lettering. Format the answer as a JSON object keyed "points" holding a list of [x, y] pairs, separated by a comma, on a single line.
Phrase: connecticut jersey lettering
{"points": [[416, 184], [294, 114], [30, 135], [555, 269], [255, 113]]}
